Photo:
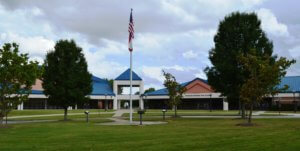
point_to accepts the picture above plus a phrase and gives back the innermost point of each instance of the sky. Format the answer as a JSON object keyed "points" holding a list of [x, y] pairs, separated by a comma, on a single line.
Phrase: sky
{"points": [[170, 35]]}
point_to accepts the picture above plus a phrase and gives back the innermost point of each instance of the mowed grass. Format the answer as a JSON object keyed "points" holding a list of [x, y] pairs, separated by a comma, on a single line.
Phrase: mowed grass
{"points": [[178, 134]]}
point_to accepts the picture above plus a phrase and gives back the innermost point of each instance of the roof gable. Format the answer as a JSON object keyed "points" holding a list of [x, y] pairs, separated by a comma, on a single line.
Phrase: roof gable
{"points": [[198, 86], [192, 86], [126, 76]]}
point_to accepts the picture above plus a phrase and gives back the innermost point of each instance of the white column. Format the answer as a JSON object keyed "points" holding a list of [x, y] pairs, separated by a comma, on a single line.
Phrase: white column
{"points": [[115, 89], [115, 103], [141, 103], [225, 105], [119, 104], [21, 106]]}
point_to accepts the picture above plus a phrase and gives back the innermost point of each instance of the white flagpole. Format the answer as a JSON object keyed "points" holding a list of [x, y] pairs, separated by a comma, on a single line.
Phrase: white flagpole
{"points": [[130, 96]]}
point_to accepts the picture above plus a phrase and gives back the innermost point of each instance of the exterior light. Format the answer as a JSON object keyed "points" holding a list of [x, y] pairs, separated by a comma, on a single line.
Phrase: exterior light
{"points": [[87, 115], [164, 113], [141, 112]]}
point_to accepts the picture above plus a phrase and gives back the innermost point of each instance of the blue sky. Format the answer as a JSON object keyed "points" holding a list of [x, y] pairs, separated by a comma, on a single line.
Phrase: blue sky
{"points": [[171, 35]]}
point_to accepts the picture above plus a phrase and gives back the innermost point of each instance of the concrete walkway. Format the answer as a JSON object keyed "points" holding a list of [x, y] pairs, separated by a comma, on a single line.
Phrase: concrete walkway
{"points": [[258, 112], [118, 121], [49, 115], [119, 113], [30, 121]]}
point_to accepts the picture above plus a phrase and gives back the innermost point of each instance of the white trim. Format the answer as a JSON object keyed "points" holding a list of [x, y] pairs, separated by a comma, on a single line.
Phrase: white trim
{"points": [[188, 96]]}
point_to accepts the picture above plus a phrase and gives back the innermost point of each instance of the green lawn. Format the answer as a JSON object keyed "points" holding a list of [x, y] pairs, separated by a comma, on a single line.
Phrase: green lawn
{"points": [[178, 134]]}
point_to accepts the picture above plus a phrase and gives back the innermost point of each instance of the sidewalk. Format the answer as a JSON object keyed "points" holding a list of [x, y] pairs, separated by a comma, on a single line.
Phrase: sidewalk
{"points": [[49, 115]]}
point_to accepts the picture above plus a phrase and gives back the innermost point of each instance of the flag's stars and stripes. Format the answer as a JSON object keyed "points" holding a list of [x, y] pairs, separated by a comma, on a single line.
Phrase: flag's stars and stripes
{"points": [[131, 32]]}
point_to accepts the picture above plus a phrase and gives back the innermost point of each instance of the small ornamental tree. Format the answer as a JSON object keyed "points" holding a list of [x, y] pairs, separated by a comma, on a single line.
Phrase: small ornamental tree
{"points": [[17, 75], [66, 80], [175, 91], [265, 72]]}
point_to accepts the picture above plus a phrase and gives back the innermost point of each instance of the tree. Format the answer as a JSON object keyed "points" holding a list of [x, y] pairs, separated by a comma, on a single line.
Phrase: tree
{"points": [[17, 75], [66, 80], [149, 90], [175, 91], [264, 75], [237, 34], [111, 83]]}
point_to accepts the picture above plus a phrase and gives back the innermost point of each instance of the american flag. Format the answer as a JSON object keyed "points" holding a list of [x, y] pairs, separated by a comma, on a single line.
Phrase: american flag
{"points": [[131, 32]]}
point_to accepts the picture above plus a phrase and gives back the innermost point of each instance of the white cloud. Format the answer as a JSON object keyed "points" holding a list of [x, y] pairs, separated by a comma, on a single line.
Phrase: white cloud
{"points": [[35, 46], [271, 24], [182, 73], [294, 52], [190, 55], [153, 73], [182, 14], [201, 75]]}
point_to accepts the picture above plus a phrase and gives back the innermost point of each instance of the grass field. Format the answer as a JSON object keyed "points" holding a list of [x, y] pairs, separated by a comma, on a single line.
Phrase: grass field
{"points": [[178, 134]]}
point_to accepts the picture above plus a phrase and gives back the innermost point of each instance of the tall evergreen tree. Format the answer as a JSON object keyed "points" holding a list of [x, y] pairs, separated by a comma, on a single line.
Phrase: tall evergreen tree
{"points": [[17, 75], [66, 80], [237, 34]]}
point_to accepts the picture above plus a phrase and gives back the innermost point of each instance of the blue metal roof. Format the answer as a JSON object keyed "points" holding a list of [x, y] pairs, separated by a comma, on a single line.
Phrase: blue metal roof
{"points": [[164, 91], [126, 76], [37, 92], [100, 87], [292, 81]]}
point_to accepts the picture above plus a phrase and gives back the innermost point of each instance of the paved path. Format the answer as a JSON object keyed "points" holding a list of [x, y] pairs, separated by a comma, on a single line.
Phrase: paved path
{"points": [[48, 115], [119, 113], [258, 112], [30, 121], [118, 121]]}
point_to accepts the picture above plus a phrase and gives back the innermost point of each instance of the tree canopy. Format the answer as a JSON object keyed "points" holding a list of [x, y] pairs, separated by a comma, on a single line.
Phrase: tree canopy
{"points": [[237, 34], [175, 91], [149, 90], [17, 75], [264, 75], [66, 80]]}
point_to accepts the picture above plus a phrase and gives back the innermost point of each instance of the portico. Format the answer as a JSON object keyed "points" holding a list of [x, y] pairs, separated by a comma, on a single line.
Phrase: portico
{"points": [[123, 81]]}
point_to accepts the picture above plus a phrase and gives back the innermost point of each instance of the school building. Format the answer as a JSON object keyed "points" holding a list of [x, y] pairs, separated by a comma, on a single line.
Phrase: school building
{"points": [[198, 95]]}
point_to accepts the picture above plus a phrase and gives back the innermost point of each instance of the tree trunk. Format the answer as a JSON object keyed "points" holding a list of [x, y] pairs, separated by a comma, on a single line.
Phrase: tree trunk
{"points": [[250, 113], [243, 108], [240, 108], [175, 110], [65, 114], [1, 119], [6, 118]]}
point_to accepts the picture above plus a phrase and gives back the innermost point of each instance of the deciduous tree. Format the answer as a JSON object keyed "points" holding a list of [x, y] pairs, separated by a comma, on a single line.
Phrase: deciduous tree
{"points": [[264, 74], [17, 75], [237, 34], [66, 80], [175, 91]]}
